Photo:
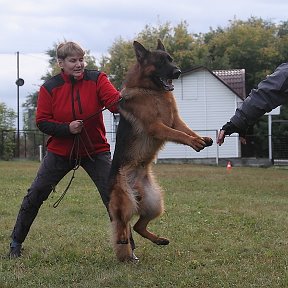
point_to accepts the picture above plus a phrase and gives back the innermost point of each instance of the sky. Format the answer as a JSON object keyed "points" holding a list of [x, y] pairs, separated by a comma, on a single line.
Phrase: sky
{"points": [[32, 27]]}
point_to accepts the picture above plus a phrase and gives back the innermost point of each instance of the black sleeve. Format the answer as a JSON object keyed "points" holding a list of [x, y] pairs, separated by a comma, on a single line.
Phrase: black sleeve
{"points": [[54, 129], [271, 93]]}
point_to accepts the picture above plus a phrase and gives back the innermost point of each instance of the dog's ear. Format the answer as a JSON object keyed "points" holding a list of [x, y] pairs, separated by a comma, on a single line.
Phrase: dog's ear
{"points": [[160, 45], [140, 51]]}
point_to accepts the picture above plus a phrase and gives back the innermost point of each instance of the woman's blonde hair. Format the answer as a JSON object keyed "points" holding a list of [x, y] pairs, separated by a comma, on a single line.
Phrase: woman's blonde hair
{"points": [[69, 49]]}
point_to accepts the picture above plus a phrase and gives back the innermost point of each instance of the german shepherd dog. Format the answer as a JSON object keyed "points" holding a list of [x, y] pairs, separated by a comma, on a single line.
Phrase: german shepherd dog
{"points": [[148, 119]]}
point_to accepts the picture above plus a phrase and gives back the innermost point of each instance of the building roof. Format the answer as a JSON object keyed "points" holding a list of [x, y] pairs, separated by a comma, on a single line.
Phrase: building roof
{"points": [[234, 79]]}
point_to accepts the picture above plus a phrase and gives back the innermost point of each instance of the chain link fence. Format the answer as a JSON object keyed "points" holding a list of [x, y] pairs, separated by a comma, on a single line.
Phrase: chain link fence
{"points": [[31, 145]]}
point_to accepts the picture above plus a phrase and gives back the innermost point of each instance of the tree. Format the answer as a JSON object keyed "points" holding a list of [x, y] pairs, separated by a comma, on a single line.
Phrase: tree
{"points": [[7, 117], [7, 120], [30, 111], [180, 46], [283, 41], [121, 57], [252, 45]]}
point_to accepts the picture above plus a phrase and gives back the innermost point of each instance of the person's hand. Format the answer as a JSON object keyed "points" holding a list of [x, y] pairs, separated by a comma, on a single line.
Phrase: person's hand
{"points": [[220, 137], [76, 126], [228, 129]]}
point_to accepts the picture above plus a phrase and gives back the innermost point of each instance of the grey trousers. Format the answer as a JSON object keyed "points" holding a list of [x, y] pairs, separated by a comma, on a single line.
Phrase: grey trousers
{"points": [[52, 169]]}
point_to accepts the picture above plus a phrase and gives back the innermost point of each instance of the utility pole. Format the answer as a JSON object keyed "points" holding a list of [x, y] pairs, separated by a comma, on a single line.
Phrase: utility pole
{"points": [[19, 82]]}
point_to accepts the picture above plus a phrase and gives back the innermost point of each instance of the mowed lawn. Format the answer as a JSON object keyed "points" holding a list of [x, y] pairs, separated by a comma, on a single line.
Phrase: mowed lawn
{"points": [[225, 230]]}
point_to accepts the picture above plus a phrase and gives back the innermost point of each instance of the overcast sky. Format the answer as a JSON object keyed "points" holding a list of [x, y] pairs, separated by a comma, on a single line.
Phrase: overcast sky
{"points": [[32, 27]]}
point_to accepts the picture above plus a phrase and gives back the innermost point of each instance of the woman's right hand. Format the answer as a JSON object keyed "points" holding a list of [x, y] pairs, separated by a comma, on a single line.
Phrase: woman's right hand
{"points": [[76, 126]]}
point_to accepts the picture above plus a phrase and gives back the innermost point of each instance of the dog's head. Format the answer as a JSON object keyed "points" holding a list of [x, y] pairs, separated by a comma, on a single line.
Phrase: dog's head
{"points": [[157, 65]]}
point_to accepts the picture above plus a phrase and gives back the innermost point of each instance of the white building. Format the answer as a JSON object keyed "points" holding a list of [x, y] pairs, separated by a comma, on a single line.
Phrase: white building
{"points": [[206, 100]]}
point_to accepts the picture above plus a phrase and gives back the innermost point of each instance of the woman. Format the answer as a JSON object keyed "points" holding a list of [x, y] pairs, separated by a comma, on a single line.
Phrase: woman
{"points": [[69, 109]]}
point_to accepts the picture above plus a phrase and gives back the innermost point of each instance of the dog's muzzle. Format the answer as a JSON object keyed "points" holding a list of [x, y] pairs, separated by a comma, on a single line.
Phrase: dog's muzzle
{"points": [[176, 73]]}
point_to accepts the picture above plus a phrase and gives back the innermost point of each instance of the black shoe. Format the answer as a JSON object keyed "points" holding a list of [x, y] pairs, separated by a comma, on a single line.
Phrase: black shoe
{"points": [[15, 251]]}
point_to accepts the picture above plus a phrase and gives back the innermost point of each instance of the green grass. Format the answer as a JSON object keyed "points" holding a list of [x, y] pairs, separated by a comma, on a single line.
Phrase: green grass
{"points": [[225, 230]]}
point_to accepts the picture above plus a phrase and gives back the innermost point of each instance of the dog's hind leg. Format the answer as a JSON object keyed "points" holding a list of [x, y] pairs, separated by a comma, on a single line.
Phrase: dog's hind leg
{"points": [[122, 247], [141, 228], [150, 207], [121, 211]]}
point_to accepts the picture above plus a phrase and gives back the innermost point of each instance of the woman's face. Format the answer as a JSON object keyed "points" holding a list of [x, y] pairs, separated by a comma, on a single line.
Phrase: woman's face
{"points": [[73, 65]]}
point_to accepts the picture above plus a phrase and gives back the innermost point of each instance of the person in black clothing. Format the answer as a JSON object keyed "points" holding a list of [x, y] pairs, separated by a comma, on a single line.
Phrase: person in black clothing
{"points": [[270, 93]]}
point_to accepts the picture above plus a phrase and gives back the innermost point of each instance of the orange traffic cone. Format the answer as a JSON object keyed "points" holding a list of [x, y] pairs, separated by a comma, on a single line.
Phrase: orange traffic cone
{"points": [[229, 166]]}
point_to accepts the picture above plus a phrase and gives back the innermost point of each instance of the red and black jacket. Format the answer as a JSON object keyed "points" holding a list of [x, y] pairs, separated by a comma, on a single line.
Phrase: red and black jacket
{"points": [[63, 99]]}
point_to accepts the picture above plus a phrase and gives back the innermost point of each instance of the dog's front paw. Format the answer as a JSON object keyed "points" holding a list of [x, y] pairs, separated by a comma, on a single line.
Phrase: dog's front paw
{"points": [[208, 141], [199, 143]]}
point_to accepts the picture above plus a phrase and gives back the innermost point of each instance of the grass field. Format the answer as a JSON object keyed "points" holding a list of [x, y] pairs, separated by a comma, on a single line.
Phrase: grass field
{"points": [[225, 230]]}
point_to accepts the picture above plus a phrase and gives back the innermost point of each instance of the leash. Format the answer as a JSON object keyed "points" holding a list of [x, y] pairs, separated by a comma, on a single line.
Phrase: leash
{"points": [[76, 148], [76, 166], [103, 109]]}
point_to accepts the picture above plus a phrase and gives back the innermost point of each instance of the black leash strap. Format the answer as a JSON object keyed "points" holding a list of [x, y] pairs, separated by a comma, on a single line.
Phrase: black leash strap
{"points": [[55, 205], [107, 107], [77, 165]]}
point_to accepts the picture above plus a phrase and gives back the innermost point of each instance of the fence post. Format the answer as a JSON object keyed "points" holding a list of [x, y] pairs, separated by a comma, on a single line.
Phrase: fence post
{"points": [[217, 149], [40, 152], [270, 136]]}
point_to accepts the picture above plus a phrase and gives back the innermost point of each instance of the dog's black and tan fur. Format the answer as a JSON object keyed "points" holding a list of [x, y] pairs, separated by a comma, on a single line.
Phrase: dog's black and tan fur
{"points": [[148, 119]]}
